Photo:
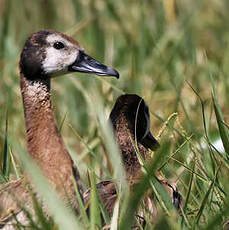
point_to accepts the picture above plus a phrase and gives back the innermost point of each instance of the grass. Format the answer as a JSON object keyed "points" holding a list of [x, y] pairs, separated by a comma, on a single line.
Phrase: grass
{"points": [[173, 53]]}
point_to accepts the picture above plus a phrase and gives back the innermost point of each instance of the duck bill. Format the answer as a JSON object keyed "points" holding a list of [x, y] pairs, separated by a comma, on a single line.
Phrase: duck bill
{"points": [[86, 64], [150, 142]]}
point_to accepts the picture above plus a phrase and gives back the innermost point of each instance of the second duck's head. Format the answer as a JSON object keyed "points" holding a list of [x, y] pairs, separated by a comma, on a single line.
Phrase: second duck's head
{"points": [[50, 53], [131, 112]]}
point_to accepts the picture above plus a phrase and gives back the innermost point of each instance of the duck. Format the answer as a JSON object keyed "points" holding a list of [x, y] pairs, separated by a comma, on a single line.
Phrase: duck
{"points": [[45, 55], [130, 120]]}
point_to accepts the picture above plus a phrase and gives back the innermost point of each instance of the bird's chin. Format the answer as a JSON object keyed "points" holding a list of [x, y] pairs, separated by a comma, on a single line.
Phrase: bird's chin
{"points": [[58, 73]]}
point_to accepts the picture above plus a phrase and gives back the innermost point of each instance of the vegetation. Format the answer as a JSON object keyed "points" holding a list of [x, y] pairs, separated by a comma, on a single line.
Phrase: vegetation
{"points": [[173, 53]]}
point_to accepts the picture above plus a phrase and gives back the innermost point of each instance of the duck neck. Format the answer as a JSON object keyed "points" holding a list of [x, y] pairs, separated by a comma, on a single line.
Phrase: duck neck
{"points": [[126, 141], [44, 142]]}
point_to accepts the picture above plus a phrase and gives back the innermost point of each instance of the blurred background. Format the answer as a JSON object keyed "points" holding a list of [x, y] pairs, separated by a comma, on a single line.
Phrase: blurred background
{"points": [[170, 52]]}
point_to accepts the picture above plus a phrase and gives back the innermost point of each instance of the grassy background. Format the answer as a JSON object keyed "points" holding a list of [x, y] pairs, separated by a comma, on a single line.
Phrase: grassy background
{"points": [[172, 53]]}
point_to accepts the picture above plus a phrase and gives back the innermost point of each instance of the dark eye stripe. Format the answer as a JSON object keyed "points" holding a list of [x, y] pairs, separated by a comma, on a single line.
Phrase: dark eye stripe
{"points": [[58, 45]]}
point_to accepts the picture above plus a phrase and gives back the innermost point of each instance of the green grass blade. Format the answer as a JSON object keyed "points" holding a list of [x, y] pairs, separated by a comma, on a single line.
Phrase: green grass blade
{"points": [[81, 204], [223, 130], [188, 194], [132, 201], [216, 221], [162, 196], [62, 122], [61, 214], [95, 218], [205, 200], [6, 155], [17, 174], [109, 140], [2, 178], [104, 212]]}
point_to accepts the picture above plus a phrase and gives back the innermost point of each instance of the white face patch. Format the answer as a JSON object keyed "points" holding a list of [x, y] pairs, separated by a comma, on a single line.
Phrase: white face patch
{"points": [[57, 61]]}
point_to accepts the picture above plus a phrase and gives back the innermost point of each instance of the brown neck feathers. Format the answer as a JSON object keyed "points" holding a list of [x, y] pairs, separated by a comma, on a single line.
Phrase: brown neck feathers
{"points": [[44, 142], [126, 141]]}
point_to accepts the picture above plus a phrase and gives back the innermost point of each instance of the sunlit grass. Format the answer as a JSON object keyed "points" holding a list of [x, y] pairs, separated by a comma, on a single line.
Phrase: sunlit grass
{"points": [[175, 55]]}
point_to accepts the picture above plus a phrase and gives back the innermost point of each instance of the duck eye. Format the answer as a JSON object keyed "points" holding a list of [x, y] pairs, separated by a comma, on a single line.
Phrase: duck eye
{"points": [[58, 45]]}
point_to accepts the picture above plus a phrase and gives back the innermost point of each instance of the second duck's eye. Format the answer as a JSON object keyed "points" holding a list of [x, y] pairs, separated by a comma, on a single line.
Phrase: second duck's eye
{"points": [[58, 45]]}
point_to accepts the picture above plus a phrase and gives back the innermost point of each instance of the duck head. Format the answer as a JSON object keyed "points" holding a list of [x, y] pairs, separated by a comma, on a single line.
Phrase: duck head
{"points": [[132, 109], [50, 53]]}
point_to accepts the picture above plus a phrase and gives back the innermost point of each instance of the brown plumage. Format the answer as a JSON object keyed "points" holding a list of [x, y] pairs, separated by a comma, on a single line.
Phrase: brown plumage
{"points": [[47, 54], [131, 123]]}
